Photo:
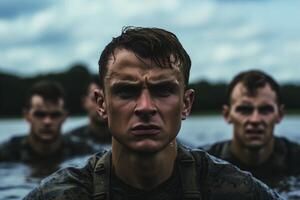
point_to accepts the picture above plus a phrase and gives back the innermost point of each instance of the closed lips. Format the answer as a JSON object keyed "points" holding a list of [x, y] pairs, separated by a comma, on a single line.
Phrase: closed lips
{"points": [[145, 130]]}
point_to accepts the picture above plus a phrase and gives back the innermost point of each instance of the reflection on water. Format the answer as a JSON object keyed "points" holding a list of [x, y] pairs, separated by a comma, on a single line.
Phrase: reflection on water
{"points": [[15, 181], [18, 179], [290, 188]]}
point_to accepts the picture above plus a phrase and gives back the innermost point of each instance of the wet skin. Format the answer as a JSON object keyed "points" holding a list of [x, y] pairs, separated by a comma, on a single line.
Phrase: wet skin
{"points": [[143, 103], [253, 117]]}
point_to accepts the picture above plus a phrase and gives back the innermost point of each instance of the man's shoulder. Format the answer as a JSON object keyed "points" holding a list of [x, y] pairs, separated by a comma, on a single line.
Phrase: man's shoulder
{"points": [[15, 140], [78, 131], [12, 148], [76, 146], [287, 143], [68, 183], [223, 180], [217, 148], [291, 151], [287, 147]]}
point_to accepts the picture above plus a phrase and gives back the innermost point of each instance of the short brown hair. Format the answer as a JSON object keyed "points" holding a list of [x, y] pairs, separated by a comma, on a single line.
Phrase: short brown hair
{"points": [[49, 90], [253, 80], [153, 43]]}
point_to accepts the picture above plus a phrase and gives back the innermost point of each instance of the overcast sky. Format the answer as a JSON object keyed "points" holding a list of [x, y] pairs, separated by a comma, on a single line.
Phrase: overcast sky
{"points": [[223, 37]]}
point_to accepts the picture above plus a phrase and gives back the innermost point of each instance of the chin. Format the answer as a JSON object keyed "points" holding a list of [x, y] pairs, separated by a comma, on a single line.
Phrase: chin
{"points": [[255, 146], [46, 138], [148, 148]]}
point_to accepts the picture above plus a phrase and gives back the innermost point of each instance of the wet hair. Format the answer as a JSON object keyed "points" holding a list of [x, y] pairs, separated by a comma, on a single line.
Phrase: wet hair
{"points": [[252, 80], [50, 91], [155, 44]]}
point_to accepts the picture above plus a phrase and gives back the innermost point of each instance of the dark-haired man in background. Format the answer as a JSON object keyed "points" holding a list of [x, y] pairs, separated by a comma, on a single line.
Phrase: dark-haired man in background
{"points": [[95, 133], [144, 76], [254, 107], [44, 146]]}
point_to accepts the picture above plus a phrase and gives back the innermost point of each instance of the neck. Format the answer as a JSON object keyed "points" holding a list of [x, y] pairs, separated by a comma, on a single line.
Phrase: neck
{"points": [[143, 171], [250, 156], [43, 148], [99, 130]]}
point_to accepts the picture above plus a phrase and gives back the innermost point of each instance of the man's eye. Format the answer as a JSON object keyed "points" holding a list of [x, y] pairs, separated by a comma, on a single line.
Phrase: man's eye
{"points": [[163, 91], [245, 110], [125, 92], [266, 110]]}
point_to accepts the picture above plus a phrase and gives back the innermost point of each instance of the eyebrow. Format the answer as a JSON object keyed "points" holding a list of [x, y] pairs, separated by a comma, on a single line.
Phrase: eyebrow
{"points": [[128, 78], [121, 83], [121, 77]]}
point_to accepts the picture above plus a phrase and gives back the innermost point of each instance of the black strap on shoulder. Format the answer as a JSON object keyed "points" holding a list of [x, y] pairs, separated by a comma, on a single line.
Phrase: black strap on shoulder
{"points": [[102, 177], [186, 165], [188, 174]]}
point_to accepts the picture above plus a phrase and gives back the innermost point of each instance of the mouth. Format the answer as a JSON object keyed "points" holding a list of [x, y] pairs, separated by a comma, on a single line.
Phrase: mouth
{"points": [[145, 130], [255, 133], [46, 131]]}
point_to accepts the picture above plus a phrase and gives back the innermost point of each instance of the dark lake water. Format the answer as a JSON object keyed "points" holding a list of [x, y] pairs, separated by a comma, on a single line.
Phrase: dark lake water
{"points": [[16, 179]]}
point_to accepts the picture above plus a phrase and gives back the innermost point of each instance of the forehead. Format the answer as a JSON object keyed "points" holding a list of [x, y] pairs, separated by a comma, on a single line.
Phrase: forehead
{"points": [[263, 95], [38, 102], [125, 65]]}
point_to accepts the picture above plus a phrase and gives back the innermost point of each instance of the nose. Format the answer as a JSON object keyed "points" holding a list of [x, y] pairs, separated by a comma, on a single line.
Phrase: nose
{"points": [[47, 120], [145, 106], [255, 117]]}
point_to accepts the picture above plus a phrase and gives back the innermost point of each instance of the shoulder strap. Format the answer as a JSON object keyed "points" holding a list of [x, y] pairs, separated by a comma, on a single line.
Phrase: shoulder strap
{"points": [[101, 177], [188, 174]]}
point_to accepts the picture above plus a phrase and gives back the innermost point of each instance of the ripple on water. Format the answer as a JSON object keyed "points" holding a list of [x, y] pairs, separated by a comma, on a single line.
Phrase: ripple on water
{"points": [[289, 188], [15, 182]]}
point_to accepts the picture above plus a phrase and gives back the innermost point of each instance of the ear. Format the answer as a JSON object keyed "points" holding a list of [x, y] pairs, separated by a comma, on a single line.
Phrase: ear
{"points": [[101, 105], [226, 114], [26, 115], [281, 112], [188, 100]]}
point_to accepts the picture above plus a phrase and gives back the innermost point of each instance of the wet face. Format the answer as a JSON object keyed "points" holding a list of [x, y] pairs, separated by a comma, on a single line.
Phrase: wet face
{"points": [[144, 104], [253, 117], [45, 119]]}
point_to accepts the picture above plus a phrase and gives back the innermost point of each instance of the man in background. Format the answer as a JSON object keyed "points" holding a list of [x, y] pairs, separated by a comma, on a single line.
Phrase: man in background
{"points": [[254, 107], [44, 145], [95, 133]]}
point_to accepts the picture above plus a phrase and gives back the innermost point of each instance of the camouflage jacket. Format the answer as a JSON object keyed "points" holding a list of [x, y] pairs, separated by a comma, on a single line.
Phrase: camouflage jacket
{"points": [[17, 149], [283, 162], [84, 134], [201, 177]]}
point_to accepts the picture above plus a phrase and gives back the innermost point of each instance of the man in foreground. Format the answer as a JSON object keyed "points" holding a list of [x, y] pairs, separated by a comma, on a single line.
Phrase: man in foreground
{"points": [[44, 146], [254, 108], [95, 133], [144, 76]]}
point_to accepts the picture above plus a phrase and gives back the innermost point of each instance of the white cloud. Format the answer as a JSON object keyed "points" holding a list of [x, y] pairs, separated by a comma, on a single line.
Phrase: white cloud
{"points": [[222, 37], [228, 52], [199, 13]]}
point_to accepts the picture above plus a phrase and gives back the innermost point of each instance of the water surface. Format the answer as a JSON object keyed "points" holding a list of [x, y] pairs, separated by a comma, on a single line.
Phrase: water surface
{"points": [[18, 179]]}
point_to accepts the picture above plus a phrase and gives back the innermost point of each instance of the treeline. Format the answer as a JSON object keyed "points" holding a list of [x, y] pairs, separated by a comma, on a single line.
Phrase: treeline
{"points": [[209, 96], [13, 89]]}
